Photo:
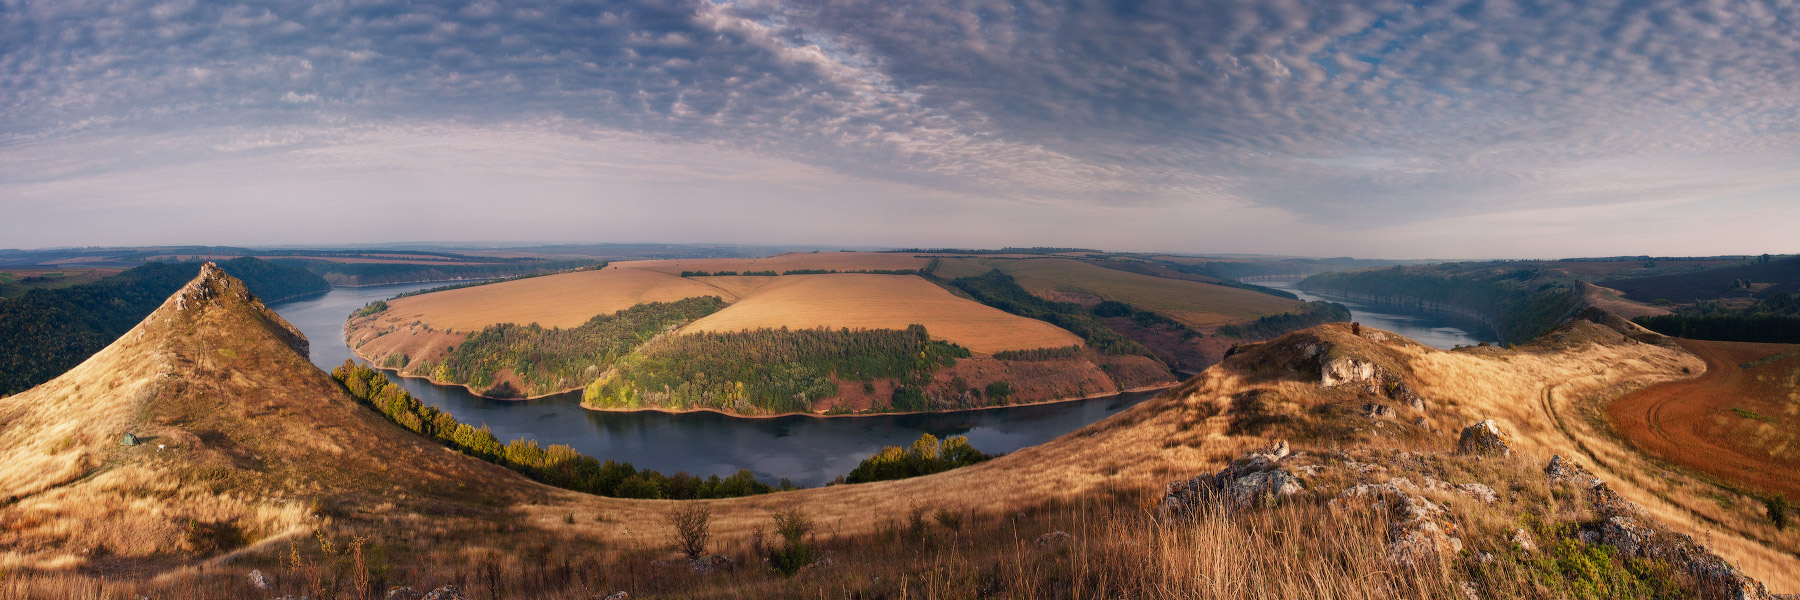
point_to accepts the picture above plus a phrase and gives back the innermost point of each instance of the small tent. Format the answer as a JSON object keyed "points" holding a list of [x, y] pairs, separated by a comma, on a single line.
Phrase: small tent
{"points": [[129, 440]]}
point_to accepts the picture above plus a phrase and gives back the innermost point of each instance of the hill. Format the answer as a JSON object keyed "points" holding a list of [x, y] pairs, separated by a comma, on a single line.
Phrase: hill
{"points": [[245, 450], [44, 332], [256, 461]]}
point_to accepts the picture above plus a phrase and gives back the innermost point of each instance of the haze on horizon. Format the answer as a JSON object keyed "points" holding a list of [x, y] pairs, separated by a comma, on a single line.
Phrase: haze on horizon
{"points": [[1386, 129]]}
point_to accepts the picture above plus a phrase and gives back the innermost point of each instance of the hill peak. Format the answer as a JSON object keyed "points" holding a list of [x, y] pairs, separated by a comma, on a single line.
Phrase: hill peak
{"points": [[213, 291]]}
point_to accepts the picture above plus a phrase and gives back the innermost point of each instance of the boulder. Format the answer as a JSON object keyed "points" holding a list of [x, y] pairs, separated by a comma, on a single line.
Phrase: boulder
{"points": [[1252, 479], [1377, 410], [1484, 438], [618, 596], [1562, 470], [1340, 371], [258, 580], [1522, 539], [403, 593]]}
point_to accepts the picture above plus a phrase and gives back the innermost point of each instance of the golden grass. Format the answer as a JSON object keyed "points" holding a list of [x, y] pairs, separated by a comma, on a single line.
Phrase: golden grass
{"points": [[1193, 303], [830, 261], [883, 302], [564, 300]]}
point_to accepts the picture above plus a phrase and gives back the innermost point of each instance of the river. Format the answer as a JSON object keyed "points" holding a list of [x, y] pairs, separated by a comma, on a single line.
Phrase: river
{"points": [[809, 451], [1438, 330]]}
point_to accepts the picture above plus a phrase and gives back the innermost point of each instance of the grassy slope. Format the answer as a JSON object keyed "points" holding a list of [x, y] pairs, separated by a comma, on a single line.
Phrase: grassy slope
{"points": [[1192, 303]]}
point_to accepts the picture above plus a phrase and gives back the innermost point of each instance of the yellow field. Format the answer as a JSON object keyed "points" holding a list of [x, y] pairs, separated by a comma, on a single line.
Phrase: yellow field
{"points": [[1193, 303], [886, 302], [831, 261], [564, 300]]}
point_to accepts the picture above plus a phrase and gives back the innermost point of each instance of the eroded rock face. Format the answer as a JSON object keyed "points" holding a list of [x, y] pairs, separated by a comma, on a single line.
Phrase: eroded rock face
{"points": [[1254, 479], [1484, 438], [1341, 371]]}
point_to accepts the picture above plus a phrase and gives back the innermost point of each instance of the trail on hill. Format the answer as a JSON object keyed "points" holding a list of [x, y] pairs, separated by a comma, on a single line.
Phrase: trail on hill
{"points": [[1692, 422]]}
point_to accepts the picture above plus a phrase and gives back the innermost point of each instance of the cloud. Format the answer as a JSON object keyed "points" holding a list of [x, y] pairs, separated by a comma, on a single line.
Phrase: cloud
{"points": [[1377, 115]]}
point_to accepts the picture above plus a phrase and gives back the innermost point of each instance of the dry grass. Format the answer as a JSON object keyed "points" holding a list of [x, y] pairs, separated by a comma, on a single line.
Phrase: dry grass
{"points": [[1193, 303], [268, 445], [563, 300], [883, 302], [830, 261]]}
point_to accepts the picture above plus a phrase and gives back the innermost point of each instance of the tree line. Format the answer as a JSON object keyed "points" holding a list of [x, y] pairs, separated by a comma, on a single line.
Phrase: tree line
{"points": [[555, 359], [558, 465], [1310, 314], [924, 457], [1775, 319]]}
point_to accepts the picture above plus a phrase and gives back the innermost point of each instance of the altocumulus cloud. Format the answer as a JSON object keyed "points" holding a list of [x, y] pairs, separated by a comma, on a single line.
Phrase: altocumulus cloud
{"points": [[1180, 125]]}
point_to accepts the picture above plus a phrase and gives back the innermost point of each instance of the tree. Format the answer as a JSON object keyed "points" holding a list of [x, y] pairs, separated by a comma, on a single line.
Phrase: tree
{"points": [[690, 527]]}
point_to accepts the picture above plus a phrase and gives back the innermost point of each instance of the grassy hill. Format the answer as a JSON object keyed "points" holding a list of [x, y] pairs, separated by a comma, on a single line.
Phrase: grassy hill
{"points": [[1757, 280], [255, 460], [45, 332]]}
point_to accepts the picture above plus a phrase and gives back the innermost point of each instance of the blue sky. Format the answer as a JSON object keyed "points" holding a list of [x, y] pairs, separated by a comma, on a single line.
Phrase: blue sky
{"points": [[1457, 129]]}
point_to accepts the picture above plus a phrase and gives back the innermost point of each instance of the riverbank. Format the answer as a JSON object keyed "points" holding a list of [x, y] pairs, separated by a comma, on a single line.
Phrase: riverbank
{"points": [[819, 414]]}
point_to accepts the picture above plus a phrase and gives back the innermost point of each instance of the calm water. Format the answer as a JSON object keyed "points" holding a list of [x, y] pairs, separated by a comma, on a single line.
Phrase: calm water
{"points": [[808, 450], [1437, 330]]}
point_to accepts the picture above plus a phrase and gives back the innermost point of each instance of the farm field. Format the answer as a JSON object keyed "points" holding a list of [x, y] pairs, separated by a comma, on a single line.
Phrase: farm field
{"points": [[1192, 303], [563, 300], [830, 261], [16, 281], [1740, 421], [881, 302]]}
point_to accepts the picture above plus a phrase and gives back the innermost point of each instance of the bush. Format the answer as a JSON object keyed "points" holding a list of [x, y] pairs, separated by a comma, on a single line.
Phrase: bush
{"points": [[1778, 511], [796, 551], [690, 528]]}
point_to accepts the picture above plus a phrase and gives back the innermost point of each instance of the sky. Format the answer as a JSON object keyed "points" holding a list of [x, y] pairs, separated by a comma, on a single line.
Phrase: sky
{"points": [[1375, 129]]}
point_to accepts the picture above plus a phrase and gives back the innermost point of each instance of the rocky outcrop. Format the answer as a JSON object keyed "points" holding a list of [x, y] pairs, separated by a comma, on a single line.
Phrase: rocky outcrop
{"points": [[1342, 370], [1255, 479], [1416, 536], [1484, 438]]}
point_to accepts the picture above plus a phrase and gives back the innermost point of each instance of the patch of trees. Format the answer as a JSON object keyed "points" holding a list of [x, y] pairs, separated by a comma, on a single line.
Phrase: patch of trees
{"points": [[1310, 314], [550, 360], [1039, 354], [45, 332], [361, 274], [455, 286], [1000, 290], [369, 309], [558, 465], [1143, 318], [1520, 303], [1775, 319], [768, 371], [926, 456]]}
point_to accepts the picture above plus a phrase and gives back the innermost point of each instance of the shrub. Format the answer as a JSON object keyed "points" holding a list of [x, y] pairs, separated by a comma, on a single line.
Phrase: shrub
{"points": [[690, 528], [1778, 511], [796, 551]]}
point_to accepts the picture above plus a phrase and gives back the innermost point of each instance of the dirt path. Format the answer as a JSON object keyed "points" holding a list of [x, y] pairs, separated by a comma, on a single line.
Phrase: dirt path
{"points": [[1732, 422]]}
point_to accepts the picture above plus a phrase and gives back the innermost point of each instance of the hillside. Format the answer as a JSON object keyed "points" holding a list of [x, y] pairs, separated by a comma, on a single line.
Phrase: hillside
{"points": [[44, 332], [1762, 278], [257, 461], [245, 450]]}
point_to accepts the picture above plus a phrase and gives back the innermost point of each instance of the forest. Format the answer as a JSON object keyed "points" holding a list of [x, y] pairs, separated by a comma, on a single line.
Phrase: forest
{"points": [[1775, 319], [767, 371], [46, 332], [1000, 290], [558, 465], [1311, 314], [926, 456], [552, 360]]}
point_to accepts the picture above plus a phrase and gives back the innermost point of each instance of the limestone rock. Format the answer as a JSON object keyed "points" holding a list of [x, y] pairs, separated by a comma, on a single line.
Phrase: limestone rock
{"points": [[403, 593], [1377, 410], [258, 580], [1562, 470], [1522, 539], [1484, 438], [619, 596], [1255, 478], [448, 592], [1054, 539], [1340, 371]]}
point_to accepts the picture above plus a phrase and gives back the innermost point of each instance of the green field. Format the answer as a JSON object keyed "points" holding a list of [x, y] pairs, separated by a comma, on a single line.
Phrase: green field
{"points": [[1192, 303]]}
